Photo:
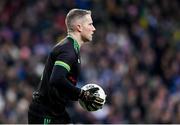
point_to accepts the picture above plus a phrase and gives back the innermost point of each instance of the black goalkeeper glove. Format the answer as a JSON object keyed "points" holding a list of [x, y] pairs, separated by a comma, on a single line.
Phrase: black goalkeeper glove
{"points": [[89, 96]]}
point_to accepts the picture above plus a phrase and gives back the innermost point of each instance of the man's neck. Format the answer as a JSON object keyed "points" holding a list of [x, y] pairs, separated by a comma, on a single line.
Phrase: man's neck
{"points": [[77, 38]]}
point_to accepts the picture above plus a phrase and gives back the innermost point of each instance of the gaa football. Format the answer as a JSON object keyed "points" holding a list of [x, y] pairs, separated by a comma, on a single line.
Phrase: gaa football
{"points": [[100, 93]]}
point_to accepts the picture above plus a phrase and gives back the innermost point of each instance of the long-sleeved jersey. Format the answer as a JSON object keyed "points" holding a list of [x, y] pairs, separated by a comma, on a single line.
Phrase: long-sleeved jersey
{"points": [[59, 77]]}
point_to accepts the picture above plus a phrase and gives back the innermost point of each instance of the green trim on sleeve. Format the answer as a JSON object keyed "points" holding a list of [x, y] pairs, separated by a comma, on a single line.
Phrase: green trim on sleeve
{"points": [[63, 64]]}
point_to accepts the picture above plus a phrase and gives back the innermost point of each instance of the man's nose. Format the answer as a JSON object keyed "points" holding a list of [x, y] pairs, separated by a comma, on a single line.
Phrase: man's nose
{"points": [[93, 28]]}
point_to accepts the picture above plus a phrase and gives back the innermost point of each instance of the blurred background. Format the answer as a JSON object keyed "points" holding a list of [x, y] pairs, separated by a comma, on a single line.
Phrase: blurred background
{"points": [[134, 56]]}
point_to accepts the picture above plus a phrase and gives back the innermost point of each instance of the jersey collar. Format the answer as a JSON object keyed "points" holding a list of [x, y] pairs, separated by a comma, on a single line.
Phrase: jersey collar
{"points": [[76, 45]]}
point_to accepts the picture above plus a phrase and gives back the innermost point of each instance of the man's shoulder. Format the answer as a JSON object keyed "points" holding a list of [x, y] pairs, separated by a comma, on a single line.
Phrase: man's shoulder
{"points": [[64, 45]]}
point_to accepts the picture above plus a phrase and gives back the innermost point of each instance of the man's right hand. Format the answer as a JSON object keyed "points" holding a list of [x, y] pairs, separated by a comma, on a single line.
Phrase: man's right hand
{"points": [[89, 96]]}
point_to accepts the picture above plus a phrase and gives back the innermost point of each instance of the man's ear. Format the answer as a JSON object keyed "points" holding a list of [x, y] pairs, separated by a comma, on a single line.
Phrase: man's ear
{"points": [[79, 27]]}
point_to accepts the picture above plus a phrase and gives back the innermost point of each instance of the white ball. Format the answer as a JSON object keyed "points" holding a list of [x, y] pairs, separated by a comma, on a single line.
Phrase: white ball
{"points": [[100, 93]]}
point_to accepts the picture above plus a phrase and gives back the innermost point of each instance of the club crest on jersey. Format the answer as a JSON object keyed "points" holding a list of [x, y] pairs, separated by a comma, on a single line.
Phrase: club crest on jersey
{"points": [[78, 60]]}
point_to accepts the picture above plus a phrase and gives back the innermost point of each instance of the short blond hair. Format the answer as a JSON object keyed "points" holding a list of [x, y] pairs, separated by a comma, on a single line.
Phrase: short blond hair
{"points": [[73, 15]]}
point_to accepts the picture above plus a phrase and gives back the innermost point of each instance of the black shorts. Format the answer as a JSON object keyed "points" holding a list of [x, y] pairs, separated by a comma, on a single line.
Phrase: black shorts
{"points": [[36, 115], [36, 119]]}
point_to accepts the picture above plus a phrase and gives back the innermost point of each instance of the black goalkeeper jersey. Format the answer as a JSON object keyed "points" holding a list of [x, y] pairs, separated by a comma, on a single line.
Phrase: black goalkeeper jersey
{"points": [[59, 78]]}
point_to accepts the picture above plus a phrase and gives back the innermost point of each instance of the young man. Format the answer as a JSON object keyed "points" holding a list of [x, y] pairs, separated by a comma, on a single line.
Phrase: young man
{"points": [[62, 68]]}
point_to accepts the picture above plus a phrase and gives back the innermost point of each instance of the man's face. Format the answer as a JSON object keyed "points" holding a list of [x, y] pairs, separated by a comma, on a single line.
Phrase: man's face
{"points": [[87, 29]]}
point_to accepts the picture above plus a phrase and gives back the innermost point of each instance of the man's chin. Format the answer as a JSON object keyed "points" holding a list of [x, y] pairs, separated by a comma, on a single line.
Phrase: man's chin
{"points": [[88, 40]]}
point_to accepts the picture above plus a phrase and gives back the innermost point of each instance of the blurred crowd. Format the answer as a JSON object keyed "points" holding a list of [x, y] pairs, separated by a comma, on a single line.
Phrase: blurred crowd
{"points": [[134, 56]]}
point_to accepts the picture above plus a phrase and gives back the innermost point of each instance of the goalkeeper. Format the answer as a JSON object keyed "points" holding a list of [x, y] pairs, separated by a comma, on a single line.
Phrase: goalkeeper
{"points": [[62, 68]]}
